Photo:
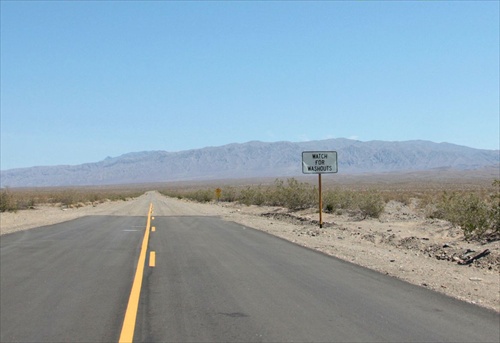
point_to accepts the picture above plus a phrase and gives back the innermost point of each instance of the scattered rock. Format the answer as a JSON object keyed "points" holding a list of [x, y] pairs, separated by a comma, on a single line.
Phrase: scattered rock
{"points": [[468, 259]]}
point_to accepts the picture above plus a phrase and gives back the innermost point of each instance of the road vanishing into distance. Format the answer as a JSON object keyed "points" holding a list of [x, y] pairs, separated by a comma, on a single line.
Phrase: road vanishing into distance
{"points": [[202, 279]]}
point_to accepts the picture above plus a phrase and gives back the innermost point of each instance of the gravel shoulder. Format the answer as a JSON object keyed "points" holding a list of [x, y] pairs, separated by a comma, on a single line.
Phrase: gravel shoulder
{"points": [[402, 243]]}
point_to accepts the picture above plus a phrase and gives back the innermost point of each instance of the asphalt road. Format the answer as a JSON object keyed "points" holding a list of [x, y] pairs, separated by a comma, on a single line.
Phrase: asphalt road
{"points": [[68, 282], [212, 281]]}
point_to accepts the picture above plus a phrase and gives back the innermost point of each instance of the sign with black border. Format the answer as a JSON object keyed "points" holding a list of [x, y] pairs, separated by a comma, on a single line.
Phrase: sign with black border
{"points": [[319, 162]]}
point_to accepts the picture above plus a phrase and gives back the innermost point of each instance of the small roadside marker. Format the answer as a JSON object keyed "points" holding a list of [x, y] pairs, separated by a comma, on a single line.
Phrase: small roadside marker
{"points": [[153, 228]]}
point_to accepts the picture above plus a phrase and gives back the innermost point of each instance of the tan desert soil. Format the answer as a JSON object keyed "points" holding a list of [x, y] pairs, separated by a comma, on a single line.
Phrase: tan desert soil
{"points": [[402, 243]]}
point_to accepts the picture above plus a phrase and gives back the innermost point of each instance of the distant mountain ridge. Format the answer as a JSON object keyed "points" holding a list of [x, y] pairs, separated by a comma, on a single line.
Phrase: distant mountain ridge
{"points": [[253, 159]]}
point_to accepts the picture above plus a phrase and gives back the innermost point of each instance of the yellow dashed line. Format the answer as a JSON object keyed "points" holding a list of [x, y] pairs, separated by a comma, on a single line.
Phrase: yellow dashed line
{"points": [[152, 258]]}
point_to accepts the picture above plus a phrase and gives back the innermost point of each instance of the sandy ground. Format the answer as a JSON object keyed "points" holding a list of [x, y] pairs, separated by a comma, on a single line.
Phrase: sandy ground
{"points": [[402, 243]]}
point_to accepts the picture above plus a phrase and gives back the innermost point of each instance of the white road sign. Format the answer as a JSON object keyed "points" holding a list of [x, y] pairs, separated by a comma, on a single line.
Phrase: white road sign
{"points": [[319, 162]]}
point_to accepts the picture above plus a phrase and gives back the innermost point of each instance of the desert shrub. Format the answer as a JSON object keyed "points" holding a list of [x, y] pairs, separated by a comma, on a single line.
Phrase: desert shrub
{"points": [[228, 194], [293, 195], [474, 214], [253, 196], [401, 196], [276, 195], [329, 208], [201, 195], [7, 202], [367, 203], [495, 207], [94, 197], [338, 199], [99, 198], [427, 202], [371, 204], [25, 203], [172, 193], [67, 198]]}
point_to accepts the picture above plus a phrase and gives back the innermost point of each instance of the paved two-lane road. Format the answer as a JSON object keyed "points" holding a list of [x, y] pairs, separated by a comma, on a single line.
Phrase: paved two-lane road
{"points": [[213, 281]]}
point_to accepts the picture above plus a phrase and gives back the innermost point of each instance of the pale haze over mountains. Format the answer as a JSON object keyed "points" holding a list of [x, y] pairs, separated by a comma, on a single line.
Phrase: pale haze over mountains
{"points": [[254, 159]]}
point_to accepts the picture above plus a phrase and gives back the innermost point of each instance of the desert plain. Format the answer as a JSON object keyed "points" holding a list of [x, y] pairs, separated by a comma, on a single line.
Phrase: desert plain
{"points": [[402, 243]]}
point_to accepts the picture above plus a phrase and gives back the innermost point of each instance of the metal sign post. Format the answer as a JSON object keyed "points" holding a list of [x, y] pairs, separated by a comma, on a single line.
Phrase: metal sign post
{"points": [[319, 162]]}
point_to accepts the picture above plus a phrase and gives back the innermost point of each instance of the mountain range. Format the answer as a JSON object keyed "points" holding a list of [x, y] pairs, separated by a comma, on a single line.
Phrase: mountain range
{"points": [[253, 159]]}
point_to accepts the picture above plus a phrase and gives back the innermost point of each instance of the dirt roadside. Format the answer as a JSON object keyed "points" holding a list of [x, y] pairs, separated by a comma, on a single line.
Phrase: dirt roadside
{"points": [[402, 243]]}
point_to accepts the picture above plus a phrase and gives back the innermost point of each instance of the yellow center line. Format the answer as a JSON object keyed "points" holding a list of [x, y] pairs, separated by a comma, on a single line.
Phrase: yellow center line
{"points": [[127, 333]]}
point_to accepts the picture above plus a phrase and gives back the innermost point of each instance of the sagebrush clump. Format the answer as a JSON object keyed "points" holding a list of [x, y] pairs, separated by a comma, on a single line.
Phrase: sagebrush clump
{"points": [[368, 203], [7, 202], [476, 215]]}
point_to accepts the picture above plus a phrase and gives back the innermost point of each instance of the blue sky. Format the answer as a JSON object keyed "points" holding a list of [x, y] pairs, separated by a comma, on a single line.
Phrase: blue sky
{"points": [[84, 80]]}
